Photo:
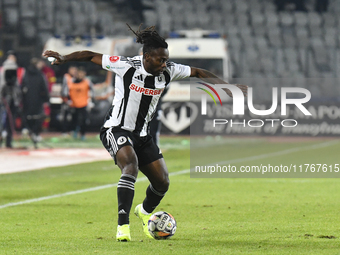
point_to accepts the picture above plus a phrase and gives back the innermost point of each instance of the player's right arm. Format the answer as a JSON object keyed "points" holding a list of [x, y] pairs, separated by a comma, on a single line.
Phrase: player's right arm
{"points": [[84, 56], [208, 76]]}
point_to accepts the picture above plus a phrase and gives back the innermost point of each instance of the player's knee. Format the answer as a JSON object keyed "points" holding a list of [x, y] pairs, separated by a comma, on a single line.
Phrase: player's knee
{"points": [[130, 168], [163, 185], [166, 184]]}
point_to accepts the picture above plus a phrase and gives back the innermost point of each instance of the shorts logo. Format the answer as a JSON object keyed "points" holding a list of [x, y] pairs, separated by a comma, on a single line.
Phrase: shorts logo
{"points": [[114, 59], [122, 211], [121, 140], [130, 141]]}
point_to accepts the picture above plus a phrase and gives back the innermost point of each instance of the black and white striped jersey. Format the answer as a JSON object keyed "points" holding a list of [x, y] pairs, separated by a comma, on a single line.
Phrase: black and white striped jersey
{"points": [[137, 92]]}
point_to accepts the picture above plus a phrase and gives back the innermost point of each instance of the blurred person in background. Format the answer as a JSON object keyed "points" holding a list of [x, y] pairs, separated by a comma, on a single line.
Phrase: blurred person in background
{"points": [[9, 98], [78, 91], [51, 80], [48, 73], [34, 96], [321, 5], [65, 107]]}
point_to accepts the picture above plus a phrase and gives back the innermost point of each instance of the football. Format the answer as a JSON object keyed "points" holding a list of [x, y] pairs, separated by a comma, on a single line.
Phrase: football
{"points": [[162, 225]]}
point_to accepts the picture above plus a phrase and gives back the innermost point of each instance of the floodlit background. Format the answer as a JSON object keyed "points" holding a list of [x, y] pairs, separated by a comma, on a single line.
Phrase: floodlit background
{"points": [[61, 197], [265, 40]]}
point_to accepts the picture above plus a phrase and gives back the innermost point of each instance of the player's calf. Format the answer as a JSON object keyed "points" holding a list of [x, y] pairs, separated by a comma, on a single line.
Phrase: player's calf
{"points": [[153, 197], [125, 194]]}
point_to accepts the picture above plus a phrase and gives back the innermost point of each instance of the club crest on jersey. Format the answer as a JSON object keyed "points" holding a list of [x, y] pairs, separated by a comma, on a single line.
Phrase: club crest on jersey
{"points": [[121, 140], [114, 59], [145, 91]]}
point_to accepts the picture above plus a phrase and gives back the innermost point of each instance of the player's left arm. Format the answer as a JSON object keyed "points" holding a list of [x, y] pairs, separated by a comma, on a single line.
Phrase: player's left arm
{"points": [[85, 56], [208, 76]]}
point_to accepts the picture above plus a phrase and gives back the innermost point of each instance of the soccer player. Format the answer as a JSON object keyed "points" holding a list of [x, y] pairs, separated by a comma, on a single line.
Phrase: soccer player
{"points": [[139, 83]]}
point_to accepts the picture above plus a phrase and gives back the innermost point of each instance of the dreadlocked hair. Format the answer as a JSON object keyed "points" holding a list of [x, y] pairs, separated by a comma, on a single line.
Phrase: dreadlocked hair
{"points": [[149, 38]]}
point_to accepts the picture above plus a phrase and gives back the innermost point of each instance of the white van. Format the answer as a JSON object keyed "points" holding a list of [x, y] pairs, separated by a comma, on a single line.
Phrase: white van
{"points": [[198, 48]]}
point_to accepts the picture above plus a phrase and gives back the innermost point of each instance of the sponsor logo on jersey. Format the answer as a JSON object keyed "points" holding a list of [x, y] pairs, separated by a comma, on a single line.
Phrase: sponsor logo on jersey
{"points": [[121, 140], [145, 91], [114, 59], [114, 67], [117, 67]]}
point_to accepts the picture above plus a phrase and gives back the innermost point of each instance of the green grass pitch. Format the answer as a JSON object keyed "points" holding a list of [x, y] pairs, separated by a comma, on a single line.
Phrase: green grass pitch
{"points": [[214, 215]]}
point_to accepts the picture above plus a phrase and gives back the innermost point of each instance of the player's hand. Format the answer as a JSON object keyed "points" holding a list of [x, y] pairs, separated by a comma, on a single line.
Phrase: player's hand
{"points": [[243, 88], [58, 59]]}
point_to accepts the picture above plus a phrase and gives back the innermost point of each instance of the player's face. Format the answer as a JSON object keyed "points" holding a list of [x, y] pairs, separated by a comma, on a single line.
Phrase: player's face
{"points": [[155, 61]]}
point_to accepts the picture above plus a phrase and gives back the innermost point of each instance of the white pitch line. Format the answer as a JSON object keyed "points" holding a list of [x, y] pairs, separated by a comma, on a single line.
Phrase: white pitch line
{"points": [[33, 200], [278, 153]]}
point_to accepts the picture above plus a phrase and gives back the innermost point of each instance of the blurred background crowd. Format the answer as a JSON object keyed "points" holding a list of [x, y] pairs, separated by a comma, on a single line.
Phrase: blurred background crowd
{"points": [[286, 37], [266, 39]]}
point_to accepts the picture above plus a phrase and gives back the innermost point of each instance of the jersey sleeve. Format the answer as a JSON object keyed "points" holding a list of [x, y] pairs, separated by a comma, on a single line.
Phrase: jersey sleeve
{"points": [[114, 64], [178, 71]]}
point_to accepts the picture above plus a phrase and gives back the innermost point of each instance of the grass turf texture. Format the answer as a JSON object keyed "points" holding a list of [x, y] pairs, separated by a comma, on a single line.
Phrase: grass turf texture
{"points": [[214, 216]]}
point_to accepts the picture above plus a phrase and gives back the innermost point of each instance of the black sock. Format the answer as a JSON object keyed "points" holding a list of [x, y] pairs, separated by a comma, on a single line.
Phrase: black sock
{"points": [[153, 198], [125, 193]]}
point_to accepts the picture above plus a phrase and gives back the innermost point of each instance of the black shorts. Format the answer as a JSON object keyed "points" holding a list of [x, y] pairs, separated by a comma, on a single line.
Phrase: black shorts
{"points": [[115, 138]]}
